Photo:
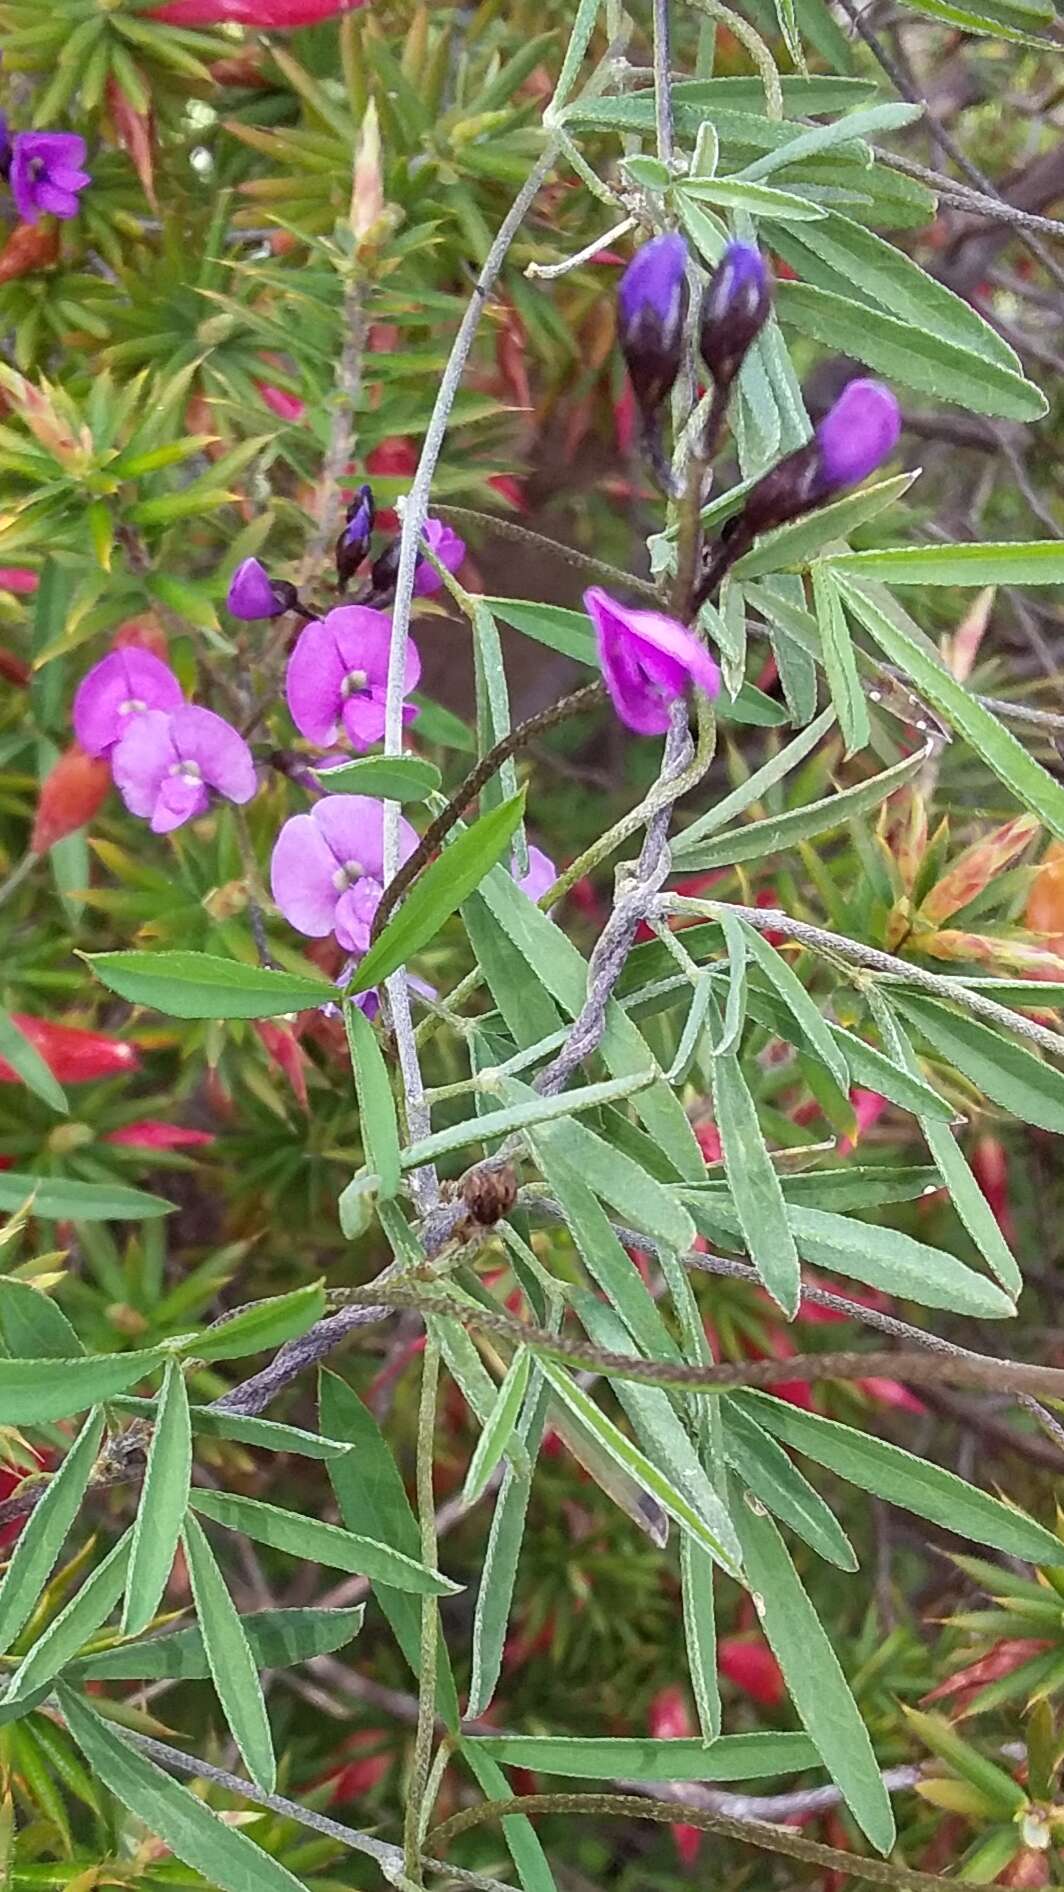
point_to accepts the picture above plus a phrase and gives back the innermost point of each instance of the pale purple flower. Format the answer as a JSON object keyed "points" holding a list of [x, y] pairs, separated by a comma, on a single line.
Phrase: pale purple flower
{"points": [[122, 685], [541, 874], [166, 765], [46, 173], [648, 660], [253, 594], [445, 545], [857, 434], [327, 870], [338, 676]]}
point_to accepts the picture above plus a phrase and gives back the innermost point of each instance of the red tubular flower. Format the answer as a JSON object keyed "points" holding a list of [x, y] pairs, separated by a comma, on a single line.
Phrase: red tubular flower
{"points": [[352, 1779], [284, 1049], [19, 579], [73, 791], [265, 13], [29, 247], [10, 1480], [73, 1056], [750, 1664], [152, 1134], [1006, 1656], [670, 1720]]}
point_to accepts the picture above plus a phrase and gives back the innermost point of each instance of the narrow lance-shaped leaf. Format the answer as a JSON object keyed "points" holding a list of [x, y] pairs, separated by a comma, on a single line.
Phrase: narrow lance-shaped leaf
{"points": [[163, 1498], [203, 985], [76, 1623], [495, 1436], [232, 1665], [27, 1063], [376, 1107], [754, 1184], [840, 664], [43, 1535], [307, 1537]]}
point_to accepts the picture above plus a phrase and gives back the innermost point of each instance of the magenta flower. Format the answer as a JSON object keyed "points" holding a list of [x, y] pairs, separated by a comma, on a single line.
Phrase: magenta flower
{"points": [[444, 545], [120, 686], [338, 675], [541, 874], [327, 870], [253, 594], [857, 434], [166, 765], [648, 660], [46, 173]]}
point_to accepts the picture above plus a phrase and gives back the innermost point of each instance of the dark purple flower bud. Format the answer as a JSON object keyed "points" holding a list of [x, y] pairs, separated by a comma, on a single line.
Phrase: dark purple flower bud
{"points": [[384, 571], [354, 540], [254, 594], [5, 146], [45, 173], [652, 304], [735, 308], [857, 434]]}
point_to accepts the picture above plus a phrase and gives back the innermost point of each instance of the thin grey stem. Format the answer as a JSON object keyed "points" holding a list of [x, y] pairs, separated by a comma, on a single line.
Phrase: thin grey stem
{"points": [[662, 81], [342, 433]]}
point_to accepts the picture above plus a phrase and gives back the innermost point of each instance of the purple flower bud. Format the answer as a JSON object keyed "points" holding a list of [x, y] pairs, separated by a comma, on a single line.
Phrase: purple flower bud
{"points": [[857, 434], [46, 173], [253, 594], [652, 301], [354, 540], [445, 545], [648, 660], [5, 146], [735, 308]]}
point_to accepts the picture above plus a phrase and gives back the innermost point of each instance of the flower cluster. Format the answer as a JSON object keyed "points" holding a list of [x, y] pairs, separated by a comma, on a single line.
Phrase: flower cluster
{"points": [[44, 171], [166, 756]]}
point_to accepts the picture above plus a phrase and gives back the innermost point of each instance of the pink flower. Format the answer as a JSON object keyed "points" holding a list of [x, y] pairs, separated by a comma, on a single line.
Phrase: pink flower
{"points": [[338, 676], [121, 686], [165, 765], [648, 660], [541, 874], [18, 578], [264, 13], [327, 870], [444, 545], [152, 1134]]}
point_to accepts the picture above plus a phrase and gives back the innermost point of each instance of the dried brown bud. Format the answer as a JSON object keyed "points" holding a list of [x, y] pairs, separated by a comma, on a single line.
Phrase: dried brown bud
{"points": [[489, 1194]]}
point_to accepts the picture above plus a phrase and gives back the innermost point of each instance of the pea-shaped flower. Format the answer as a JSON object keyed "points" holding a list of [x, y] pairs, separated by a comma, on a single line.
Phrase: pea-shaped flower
{"points": [[327, 870], [648, 660], [46, 173], [444, 544], [167, 766], [253, 594], [337, 676], [120, 687], [541, 874]]}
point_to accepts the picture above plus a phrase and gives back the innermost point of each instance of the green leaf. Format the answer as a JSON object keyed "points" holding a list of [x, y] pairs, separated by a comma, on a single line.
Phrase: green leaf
{"points": [[232, 1665], [530, 1113], [760, 838], [1036, 562], [569, 632], [700, 1635], [32, 1326], [757, 200], [875, 1465], [75, 1624], [42, 1536], [758, 784], [65, 1198], [31, 1395], [392, 777], [312, 1541], [278, 1640], [378, 1126], [522, 1840], [755, 1186], [890, 279], [439, 891], [499, 1572], [814, 1679], [266, 1434], [163, 1499], [202, 985], [766, 1469], [814, 141], [500, 1424], [27, 1063], [221, 1852], [907, 354], [803, 1009], [793, 547], [265, 1324], [1004, 1071], [621, 1450], [840, 664], [624, 1184], [997, 746], [590, 1757]]}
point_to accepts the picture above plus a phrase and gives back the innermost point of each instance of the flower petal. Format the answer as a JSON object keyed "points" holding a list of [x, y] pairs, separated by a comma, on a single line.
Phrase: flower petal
{"points": [[363, 638], [313, 683], [301, 876], [220, 752], [142, 760], [178, 801], [364, 718], [125, 676], [354, 915]]}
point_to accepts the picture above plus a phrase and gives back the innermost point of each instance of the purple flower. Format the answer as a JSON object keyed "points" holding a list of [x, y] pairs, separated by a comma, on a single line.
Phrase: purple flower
{"points": [[338, 673], [857, 434], [5, 146], [541, 874], [327, 870], [444, 545], [734, 310], [253, 594], [46, 173], [648, 660], [121, 686], [652, 307], [354, 540], [165, 765]]}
